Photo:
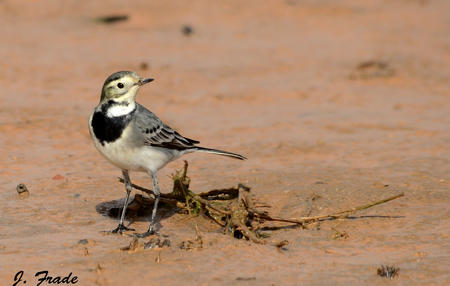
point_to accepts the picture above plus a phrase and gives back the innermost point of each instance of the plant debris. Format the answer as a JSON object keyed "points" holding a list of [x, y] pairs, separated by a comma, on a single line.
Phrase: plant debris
{"points": [[234, 209], [134, 244], [340, 234], [197, 243], [158, 258], [155, 242], [388, 271]]}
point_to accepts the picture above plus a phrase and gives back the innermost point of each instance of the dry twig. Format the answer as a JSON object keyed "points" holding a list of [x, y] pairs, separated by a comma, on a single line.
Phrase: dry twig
{"points": [[235, 210]]}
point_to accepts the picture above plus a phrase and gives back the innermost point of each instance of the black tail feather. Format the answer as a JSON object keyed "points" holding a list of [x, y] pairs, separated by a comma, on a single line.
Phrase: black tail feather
{"points": [[219, 152]]}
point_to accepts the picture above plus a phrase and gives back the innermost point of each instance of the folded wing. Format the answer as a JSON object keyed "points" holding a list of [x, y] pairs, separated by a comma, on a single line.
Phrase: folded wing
{"points": [[157, 133]]}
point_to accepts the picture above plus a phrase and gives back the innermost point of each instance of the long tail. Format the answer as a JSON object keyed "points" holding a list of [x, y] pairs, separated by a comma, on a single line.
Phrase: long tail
{"points": [[218, 152]]}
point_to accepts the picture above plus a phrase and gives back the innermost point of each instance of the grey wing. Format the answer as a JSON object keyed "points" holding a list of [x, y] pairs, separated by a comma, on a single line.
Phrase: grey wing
{"points": [[157, 133]]}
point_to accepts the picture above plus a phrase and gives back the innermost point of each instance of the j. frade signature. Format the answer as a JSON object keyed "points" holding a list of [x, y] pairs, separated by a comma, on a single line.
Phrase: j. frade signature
{"points": [[43, 277]]}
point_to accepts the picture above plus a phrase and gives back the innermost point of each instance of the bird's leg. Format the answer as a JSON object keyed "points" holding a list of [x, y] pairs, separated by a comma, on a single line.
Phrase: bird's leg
{"points": [[151, 229], [121, 227]]}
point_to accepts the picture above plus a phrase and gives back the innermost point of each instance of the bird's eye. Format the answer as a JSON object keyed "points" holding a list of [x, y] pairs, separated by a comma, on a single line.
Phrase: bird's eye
{"points": [[120, 85]]}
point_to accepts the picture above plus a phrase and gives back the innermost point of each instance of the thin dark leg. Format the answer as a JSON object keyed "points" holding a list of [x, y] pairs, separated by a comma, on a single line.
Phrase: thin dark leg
{"points": [[151, 229], [120, 228], [155, 205]]}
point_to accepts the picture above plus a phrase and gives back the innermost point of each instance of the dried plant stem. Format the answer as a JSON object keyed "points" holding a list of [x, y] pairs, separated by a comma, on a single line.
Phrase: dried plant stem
{"points": [[310, 219], [168, 198], [234, 208]]}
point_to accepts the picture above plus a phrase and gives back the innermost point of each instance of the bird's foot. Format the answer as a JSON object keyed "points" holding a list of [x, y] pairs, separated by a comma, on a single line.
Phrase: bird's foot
{"points": [[146, 234], [121, 228]]}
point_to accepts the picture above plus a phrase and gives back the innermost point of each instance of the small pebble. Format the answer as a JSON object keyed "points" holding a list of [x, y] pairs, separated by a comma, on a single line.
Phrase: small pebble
{"points": [[86, 242], [22, 189], [83, 241], [187, 30]]}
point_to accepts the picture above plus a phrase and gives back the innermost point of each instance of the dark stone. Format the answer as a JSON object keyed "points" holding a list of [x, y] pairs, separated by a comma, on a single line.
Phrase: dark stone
{"points": [[83, 241], [187, 30], [21, 188]]}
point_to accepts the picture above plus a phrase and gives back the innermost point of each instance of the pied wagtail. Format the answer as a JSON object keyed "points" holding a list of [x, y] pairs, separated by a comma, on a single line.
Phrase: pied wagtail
{"points": [[134, 139]]}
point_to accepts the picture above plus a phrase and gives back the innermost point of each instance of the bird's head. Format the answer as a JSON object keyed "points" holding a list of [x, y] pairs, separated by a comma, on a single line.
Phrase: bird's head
{"points": [[122, 86]]}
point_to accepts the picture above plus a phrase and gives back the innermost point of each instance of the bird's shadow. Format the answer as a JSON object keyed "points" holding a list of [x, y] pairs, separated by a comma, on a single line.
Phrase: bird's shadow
{"points": [[139, 209]]}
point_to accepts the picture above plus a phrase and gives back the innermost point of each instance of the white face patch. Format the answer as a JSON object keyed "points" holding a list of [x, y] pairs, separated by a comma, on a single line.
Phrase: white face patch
{"points": [[120, 109]]}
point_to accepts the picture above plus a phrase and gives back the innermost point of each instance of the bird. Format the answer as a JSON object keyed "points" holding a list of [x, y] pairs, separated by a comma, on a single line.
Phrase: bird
{"points": [[133, 138]]}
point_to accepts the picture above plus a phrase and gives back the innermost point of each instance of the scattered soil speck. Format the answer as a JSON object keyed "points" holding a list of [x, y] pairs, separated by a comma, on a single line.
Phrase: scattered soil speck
{"points": [[372, 69], [187, 30], [157, 243], [340, 234], [245, 278], [112, 19], [58, 177], [83, 241], [143, 66]]}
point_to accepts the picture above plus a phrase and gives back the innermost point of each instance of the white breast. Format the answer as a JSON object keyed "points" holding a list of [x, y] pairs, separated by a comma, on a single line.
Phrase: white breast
{"points": [[126, 155], [120, 110]]}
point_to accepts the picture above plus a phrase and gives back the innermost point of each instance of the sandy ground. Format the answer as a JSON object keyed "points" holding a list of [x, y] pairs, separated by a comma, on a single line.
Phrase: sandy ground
{"points": [[344, 101]]}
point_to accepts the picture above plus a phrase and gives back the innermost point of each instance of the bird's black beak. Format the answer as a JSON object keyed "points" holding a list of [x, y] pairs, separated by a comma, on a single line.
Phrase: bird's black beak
{"points": [[143, 81]]}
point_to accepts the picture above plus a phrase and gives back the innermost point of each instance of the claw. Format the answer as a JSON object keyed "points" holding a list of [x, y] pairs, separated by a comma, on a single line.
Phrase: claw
{"points": [[120, 228], [146, 234]]}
